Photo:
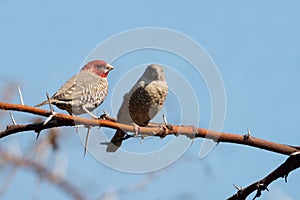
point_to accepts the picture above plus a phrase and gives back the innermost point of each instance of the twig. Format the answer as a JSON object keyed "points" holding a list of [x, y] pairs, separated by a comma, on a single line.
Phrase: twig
{"points": [[292, 163], [44, 172]]}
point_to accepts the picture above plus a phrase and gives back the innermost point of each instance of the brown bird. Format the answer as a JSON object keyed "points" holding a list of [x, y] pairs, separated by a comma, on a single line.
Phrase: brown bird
{"points": [[85, 91], [141, 103]]}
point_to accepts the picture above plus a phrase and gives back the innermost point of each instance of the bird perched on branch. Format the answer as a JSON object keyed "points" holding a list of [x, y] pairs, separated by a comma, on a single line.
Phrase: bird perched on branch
{"points": [[141, 103], [85, 91]]}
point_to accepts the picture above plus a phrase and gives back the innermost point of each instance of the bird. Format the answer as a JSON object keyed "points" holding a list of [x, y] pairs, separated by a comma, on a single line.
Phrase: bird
{"points": [[85, 91], [144, 100]]}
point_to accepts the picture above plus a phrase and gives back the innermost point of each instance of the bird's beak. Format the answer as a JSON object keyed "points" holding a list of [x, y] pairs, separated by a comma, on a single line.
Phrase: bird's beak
{"points": [[110, 67]]}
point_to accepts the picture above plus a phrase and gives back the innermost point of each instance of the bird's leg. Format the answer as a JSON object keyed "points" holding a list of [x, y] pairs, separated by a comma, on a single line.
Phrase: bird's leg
{"points": [[106, 116], [136, 129], [90, 113], [86, 141]]}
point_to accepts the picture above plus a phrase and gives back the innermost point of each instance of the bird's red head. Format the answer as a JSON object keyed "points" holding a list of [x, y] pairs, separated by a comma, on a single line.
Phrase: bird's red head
{"points": [[98, 67]]}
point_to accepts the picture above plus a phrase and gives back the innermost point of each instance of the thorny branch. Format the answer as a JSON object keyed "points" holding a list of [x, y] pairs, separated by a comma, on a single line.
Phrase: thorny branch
{"points": [[292, 163], [60, 120]]}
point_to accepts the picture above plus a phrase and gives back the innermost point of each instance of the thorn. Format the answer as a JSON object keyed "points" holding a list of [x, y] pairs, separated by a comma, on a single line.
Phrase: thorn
{"points": [[248, 135], [38, 135], [86, 141], [267, 189], [258, 194], [248, 131], [165, 119], [236, 187], [105, 113], [48, 119], [295, 153], [285, 177], [51, 110], [261, 187], [20, 94], [50, 105], [12, 119]]}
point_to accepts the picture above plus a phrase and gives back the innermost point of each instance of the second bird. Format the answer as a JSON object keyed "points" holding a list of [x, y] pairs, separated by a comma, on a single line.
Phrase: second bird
{"points": [[141, 103]]}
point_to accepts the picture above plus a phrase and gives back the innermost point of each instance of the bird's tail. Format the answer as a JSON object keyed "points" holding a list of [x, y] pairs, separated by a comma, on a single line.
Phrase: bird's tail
{"points": [[116, 141], [41, 104]]}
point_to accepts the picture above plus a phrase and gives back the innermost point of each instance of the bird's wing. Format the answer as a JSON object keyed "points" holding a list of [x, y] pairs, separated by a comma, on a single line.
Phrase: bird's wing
{"points": [[123, 113], [77, 85], [69, 91], [147, 101], [159, 88]]}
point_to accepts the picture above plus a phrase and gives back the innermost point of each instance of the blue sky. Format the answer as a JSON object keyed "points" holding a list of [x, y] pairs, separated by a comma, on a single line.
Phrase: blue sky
{"points": [[255, 46]]}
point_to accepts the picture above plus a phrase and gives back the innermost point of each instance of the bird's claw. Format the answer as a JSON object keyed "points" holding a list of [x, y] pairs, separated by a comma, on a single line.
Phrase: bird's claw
{"points": [[136, 129], [163, 130], [90, 113], [103, 116]]}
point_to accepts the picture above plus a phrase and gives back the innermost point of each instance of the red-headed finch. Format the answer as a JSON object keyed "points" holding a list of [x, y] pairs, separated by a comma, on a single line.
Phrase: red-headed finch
{"points": [[85, 91]]}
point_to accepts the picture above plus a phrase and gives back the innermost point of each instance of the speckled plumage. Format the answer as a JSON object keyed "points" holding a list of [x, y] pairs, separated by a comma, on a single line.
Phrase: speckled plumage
{"points": [[84, 91], [142, 102]]}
